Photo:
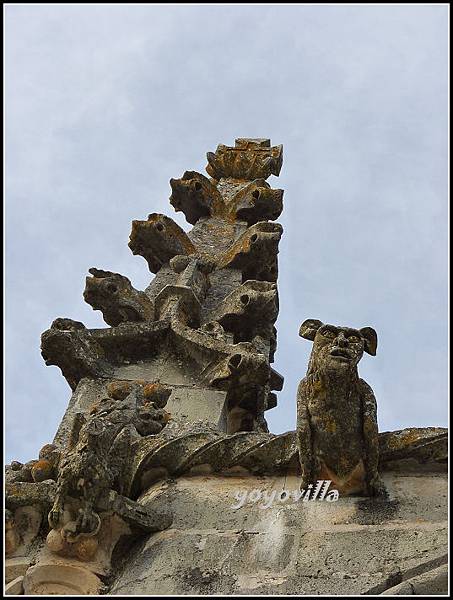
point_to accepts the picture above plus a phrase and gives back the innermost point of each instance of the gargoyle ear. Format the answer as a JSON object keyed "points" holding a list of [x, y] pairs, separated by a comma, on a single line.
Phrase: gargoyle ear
{"points": [[309, 328], [370, 337], [99, 273]]}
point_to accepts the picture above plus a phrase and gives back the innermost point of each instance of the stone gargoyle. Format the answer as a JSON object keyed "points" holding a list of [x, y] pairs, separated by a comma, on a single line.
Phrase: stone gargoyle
{"points": [[337, 431], [98, 454]]}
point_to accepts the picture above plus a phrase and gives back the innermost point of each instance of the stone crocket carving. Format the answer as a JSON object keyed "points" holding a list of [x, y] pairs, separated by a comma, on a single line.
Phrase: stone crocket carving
{"points": [[115, 296], [337, 429]]}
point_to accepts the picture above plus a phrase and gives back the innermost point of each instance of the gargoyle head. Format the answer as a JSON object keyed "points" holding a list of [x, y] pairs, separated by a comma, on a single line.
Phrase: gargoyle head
{"points": [[337, 348]]}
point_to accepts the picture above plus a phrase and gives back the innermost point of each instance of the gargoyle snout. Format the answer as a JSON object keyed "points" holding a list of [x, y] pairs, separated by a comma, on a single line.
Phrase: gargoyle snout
{"points": [[341, 340]]}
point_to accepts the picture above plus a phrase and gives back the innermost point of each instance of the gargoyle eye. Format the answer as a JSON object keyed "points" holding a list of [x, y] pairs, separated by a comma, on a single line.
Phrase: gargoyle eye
{"points": [[328, 333], [111, 287]]}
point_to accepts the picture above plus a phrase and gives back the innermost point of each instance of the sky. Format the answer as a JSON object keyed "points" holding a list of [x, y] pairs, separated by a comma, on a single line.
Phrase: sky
{"points": [[105, 103]]}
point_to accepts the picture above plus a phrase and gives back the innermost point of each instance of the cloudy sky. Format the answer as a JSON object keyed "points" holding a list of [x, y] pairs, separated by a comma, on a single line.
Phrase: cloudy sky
{"points": [[104, 103]]}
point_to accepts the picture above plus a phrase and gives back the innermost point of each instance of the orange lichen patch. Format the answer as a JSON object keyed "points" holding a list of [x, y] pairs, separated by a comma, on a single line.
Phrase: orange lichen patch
{"points": [[12, 539], [151, 389], [42, 470], [166, 417], [118, 390], [242, 246], [94, 408], [351, 483]]}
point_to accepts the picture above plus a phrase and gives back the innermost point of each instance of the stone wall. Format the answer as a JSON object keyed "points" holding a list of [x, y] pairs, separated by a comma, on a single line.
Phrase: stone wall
{"points": [[355, 545]]}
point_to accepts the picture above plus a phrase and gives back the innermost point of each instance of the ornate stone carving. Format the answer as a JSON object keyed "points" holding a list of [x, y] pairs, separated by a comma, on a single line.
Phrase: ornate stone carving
{"points": [[270, 454], [158, 239], [196, 197], [337, 427], [256, 202], [114, 295], [255, 252], [249, 159], [70, 345], [97, 456], [249, 312]]}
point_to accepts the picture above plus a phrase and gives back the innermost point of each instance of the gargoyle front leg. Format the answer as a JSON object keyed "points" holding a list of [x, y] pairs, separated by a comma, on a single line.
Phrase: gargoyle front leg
{"points": [[304, 441], [371, 440]]}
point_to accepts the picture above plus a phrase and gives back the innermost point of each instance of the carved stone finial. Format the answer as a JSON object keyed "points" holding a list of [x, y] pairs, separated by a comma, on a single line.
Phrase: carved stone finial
{"points": [[249, 159]]}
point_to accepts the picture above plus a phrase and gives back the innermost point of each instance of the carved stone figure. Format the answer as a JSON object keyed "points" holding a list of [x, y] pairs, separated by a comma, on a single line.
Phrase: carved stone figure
{"points": [[114, 295], [98, 453], [337, 427]]}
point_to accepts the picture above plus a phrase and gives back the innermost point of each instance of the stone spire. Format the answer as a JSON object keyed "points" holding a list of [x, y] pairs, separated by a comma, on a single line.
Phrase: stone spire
{"points": [[204, 327], [190, 355]]}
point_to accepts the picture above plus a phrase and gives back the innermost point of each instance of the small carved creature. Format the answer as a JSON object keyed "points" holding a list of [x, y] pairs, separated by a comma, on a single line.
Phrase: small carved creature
{"points": [[337, 429], [99, 452], [114, 295]]}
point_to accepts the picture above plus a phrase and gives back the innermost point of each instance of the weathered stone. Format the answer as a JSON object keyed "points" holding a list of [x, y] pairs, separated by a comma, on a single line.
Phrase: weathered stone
{"points": [[98, 451], [114, 295], [61, 579], [249, 312], [431, 583], [76, 352], [16, 567], [249, 159], [414, 448], [255, 252], [222, 542], [15, 587], [195, 196], [158, 240], [336, 411], [256, 202], [22, 524]]}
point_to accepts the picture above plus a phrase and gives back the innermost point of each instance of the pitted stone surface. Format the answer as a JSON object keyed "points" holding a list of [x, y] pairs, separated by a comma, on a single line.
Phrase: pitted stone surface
{"points": [[314, 547]]}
